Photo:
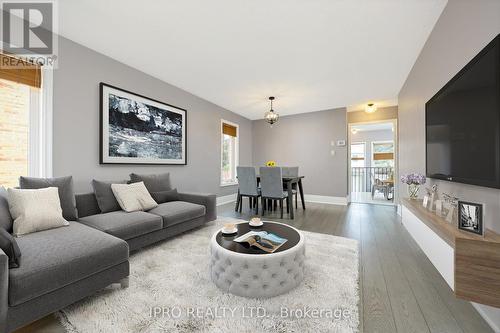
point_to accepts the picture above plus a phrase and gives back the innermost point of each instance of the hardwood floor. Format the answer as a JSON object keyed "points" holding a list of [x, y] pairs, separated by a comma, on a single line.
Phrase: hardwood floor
{"points": [[400, 289]]}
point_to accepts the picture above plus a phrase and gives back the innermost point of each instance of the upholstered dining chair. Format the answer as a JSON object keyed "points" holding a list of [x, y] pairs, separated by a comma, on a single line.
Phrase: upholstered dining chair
{"points": [[247, 181], [291, 172], [378, 186], [271, 185]]}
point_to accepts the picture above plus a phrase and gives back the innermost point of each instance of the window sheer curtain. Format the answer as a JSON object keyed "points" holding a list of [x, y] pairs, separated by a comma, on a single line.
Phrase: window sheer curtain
{"points": [[39, 82]]}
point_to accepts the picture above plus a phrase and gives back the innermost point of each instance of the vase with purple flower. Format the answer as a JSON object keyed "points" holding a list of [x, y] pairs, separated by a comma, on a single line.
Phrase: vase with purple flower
{"points": [[413, 180]]}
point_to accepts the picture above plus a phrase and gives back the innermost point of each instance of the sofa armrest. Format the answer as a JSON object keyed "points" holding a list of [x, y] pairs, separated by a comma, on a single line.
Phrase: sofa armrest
{"points": [[207, 200], [4, 290], [86, 204]]}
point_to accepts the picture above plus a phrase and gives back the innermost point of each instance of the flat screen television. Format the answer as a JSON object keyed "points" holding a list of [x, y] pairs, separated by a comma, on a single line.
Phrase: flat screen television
{"points": [[463, 123]]}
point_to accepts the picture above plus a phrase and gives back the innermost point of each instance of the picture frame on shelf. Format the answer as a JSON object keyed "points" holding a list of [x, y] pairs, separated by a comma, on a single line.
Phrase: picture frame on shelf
{"points": [[425, 202], [439, 208], [470, 217], [450, 207]]}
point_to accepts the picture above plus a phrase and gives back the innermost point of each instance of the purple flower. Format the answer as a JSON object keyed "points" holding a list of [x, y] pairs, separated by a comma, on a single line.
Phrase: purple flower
{"points": [[413, 178]]}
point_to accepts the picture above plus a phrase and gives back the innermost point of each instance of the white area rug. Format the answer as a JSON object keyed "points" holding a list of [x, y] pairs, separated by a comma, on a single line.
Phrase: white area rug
{"points": [[171, 291]]}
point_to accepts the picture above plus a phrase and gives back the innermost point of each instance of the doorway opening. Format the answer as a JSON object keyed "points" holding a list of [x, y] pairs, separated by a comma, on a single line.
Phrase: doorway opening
{"points": [[373, 162]]}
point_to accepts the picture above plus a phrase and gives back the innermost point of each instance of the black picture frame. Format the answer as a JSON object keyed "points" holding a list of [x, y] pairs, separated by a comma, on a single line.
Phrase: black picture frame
{"points": [[470, 217], [109, 155]]}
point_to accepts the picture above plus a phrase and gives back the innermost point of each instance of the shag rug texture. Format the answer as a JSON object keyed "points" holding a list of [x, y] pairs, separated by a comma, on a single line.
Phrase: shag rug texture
{"points": [[171, 291]]}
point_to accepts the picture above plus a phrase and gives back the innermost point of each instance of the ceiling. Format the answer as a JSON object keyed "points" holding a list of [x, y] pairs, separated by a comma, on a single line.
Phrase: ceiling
{"points": [[372, 127], [311, 54]]}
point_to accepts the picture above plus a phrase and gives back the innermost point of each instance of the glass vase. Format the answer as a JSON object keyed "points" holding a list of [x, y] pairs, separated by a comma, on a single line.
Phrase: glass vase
{"points": [[413, 191]]}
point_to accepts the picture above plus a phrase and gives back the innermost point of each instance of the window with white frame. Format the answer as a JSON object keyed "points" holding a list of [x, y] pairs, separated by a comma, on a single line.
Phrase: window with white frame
{"points": [[358, 152], [24, 144], [229, 152], [383, 154]]}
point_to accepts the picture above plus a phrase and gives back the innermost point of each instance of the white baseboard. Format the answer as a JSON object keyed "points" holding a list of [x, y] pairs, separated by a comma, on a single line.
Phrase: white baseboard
{"points": [[490, 315], [307, 197], [399, 210], [226, 199], [326, 199]]}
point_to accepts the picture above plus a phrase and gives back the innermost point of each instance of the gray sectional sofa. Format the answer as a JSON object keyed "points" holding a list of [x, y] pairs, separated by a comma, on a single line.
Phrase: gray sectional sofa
{"points": [[58, 267], [63, 265]]}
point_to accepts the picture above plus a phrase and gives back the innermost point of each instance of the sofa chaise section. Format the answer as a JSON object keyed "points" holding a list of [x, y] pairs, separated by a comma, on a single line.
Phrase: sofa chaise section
{"points": [[59, 267]]}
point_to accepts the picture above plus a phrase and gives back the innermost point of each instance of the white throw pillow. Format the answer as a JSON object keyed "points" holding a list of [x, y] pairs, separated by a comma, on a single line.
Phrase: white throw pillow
{"points": [[133, 197], [35, 210]]}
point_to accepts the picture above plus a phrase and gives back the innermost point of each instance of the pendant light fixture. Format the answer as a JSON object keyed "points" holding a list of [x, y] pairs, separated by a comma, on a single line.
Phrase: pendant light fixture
{"points": [[270, 116]]}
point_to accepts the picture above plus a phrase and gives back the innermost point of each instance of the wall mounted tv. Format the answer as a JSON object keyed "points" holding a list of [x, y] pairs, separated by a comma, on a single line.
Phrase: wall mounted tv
{"points": [[463, 123]]}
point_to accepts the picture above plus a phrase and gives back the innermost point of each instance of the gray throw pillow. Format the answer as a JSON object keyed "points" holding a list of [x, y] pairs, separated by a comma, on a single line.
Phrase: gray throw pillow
{"points": [[65, 189], [5, 217], [9, 245], [104, 195], [154, 183], [165, 196]]}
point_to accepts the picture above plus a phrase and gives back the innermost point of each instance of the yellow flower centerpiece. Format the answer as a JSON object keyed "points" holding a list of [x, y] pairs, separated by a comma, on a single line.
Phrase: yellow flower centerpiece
{"points": [[271, 163]]}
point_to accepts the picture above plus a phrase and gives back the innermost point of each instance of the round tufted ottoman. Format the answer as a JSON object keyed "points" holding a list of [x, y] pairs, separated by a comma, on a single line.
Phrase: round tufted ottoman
{"points": [[250, 272]]}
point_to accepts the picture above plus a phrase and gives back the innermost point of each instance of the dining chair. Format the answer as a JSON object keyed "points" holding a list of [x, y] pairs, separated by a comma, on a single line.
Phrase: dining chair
{"points": [[271, 185], [378, 186], [291, 172], [247, 181]]}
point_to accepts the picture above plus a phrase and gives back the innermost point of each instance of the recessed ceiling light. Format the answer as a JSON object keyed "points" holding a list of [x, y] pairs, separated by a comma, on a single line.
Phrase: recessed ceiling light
{"points": [[370, 108]]}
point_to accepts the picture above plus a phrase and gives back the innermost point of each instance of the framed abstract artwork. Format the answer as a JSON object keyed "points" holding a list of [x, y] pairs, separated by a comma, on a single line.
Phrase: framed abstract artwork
{"points": [[135, 129]]}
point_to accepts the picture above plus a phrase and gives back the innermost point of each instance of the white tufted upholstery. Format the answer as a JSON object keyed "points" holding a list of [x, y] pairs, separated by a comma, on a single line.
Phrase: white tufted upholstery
{"points": [[257, 275]]}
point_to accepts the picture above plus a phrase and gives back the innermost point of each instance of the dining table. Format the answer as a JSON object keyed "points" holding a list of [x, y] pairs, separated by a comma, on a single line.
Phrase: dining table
{"points": [[288, 181]]}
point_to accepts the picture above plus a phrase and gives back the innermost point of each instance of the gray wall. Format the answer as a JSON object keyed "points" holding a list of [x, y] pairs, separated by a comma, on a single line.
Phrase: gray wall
{"points": [[370, 136], [76, 123], [464, 28], [304, 140]]}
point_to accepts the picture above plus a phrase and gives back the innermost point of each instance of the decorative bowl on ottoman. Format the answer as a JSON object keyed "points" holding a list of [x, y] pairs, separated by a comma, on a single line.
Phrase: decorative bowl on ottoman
{"points": [[250, 272]]}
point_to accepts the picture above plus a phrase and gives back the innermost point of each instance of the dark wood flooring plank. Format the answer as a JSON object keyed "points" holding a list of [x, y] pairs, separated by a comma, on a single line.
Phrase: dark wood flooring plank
{"points": [[48, 324]]}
